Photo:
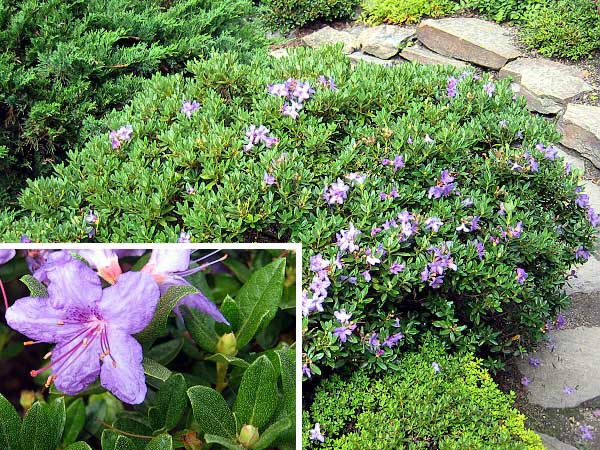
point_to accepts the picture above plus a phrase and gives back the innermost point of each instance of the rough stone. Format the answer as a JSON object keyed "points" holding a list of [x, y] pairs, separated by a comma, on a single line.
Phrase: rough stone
{"points": [[573, 362], [587, 281], [580, 127], [360, 56], [420, 54], [575, 160], [546, 85], [384, 41], [279, 53], [552, 443], [328, 35], [478, 41]]}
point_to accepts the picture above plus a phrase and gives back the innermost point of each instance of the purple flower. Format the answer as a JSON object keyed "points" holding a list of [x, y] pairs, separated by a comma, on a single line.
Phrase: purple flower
{"points": [[489, 88], [551, 152], [568, 168], [257, 135], [188, 108], [433, 223], [92, 217], [279, 90], [366, 275], [306, 371], [428, 140], [317, 263], [436, 367], [593, 217], [6, 255], [561, 322], [393, 340], [569, 390], [269, 179], [189, 190], [502, 211], [410, 141], [355, 177], [346, 238], [451, 90], [315, 433], [374, 341], [118, 137], [385, 162], [291, 110], [383, 196], [336, 192], [596, 413], [342, 333], [342, 316], [583, 200], [270, 141], [521, 275], [303, 91], [396, 268], [372, 260], [582, 253], [586, 432], [184, 237], [525, 381], [480, 249], [444, 187], [168, 267], [503, 123], [534, 362], [398, 162], [92, 329], [467, 202], [327, 82]]}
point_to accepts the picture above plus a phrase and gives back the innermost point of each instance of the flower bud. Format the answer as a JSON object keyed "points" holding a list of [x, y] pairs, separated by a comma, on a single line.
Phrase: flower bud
{"points": [[248, 436], [191, 441], [27, 399], [227, 344]]}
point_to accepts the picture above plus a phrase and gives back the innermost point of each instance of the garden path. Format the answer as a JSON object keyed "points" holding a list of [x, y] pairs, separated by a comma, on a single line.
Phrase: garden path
{"points": [[564, 393]]}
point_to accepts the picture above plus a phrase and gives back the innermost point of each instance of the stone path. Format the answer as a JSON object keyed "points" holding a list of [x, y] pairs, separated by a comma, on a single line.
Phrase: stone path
{"points": [[564, 393]]}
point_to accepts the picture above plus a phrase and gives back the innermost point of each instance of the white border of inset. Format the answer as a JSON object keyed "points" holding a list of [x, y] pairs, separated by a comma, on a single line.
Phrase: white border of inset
{"points": [[209, 246]]}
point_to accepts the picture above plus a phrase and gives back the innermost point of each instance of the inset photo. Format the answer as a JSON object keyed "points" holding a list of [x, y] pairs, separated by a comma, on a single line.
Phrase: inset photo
{"points": [[157, 348]]}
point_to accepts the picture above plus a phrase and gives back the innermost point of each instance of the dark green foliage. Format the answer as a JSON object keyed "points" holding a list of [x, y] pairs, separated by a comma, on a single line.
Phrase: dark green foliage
{"points": [[63, 63], [405, 11], [563, 28], [416, 408], [285, 15], [502, 10]]}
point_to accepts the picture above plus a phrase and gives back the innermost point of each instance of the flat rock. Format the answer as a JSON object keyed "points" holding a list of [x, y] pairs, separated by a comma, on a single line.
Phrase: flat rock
{"points": [[384, 41], [360, 56], [279, 53], [478, 41], [420, 54], [580, 127], [327, 36], [552, 443], [587, 281], [573, 362], [575, 160], [546, 85]]}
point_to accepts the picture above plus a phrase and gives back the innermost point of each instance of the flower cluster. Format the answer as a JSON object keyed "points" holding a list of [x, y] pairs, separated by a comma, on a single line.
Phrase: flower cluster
{"points": [[435, 270], [259, 134], [318, 287], [190, 107], [120, 136], [295, 92], [444, 187], [336, 192]]}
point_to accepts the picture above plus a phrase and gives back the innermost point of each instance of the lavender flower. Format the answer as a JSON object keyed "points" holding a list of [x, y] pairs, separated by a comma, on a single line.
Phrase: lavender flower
{"points": [[392, 341], [315, 433], [291, 110], [366, 275], [317, 263], [593, 217], [551, 152], [428, 140], [327, 82], [396, 268], [398, 162], [583, 200], [257, 135], [184, 237], [306, 371], [521, 275], [525, 381], [355, 178], [444, 187], [569, 390], [6, 255], [118, 137], [336, 193], [451, 90], [269, 179], [561, 322], [433, 223], [479, 247], [436, 367], [190, 107], [342, 333], [489, 88], [534, 362], [303, 91], [92, 329], [586, 432], [346, 239], [342, 316], [582, 253]]}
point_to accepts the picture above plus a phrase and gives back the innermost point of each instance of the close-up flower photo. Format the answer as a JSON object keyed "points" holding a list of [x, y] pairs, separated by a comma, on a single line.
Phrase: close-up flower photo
{"points": [[148, 349]]}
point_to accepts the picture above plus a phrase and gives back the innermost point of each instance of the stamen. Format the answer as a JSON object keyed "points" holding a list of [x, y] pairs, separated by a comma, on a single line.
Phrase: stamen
{"points": [[185, 273], [4, 294], [60, 322], [50, 380], [47, 355]]}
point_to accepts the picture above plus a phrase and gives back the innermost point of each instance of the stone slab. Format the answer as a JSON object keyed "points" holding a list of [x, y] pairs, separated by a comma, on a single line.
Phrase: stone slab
{"points": [[587, 281], [328, 36], [573, 362], [279, 53], [360, 56], [546, 85], [580, 127], [552, 443], [384, 41], [420, 54], [478, 41], [575, 160]]}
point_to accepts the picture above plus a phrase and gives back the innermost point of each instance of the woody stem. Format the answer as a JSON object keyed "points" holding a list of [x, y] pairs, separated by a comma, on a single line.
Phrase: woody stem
{"points": [[221, 373]]}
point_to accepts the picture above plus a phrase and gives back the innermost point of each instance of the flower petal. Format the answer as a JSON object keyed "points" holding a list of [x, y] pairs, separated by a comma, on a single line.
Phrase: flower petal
{"points": [[129, 305], [6, 255], [76, 366], [37, 319], [164, 261], [123, 374], [202, 303], [71, 282]]}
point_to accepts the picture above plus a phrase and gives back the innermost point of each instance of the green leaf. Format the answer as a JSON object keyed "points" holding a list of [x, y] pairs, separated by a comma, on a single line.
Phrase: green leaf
{"points": [[169, 404], [36, 288], [43, 425], [10, 423], [104, 407], [156, 374], [272, 433], [225, 442], [166, 303], [166, 352], [239, 269], [113, 441], [287, 362], [161, 442], [231, 311], [74, 422], [201, 327], [259, 299], [79, 446], [226, 359], [211, 412], [257, 397]]}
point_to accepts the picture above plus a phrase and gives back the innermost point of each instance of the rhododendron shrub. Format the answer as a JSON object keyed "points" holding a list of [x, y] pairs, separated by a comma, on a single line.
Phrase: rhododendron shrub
{"points": [[428, 198], [141, 351]]}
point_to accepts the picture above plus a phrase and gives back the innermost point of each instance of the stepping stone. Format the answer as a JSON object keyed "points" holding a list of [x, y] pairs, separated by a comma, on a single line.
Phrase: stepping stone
{"points": [[552, 443], [420, 54], [279, 53], [327, 36], [478, 41], [547, 85], [587, 281], [573, 363], [360, 56], [384, 41], [580, 127]]}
